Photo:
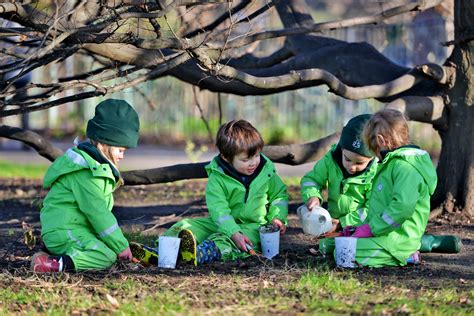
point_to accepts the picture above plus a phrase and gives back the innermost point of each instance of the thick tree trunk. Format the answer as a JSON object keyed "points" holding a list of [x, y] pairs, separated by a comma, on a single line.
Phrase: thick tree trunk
{"points": [[455, 189]]}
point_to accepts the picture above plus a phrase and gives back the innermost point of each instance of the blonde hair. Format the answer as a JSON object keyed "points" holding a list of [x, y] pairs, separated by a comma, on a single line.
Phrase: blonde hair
{"points": [[106, 151], [391, 124]]}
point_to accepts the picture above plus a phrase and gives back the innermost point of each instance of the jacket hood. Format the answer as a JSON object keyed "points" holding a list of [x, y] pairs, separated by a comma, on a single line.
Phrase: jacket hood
{"points": [[214, 166], [420, 160], [71, 161]]}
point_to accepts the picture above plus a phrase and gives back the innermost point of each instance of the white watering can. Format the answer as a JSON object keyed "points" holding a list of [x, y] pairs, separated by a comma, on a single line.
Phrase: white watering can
{"points": [[315, 222]]}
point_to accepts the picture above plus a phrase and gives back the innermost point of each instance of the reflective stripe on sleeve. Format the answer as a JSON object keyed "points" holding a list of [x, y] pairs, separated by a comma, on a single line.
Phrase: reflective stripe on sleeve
{"points": [[223, 218], [309, 184], [281, 203], [109, 230], [387, 219]]}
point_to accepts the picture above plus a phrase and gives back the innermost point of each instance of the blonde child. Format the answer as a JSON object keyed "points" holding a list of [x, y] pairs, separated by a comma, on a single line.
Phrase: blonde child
{"points": [[399, 203], [77, 226]]}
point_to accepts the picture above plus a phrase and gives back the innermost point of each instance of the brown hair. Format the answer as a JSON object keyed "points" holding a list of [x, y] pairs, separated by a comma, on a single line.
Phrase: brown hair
{"points": [[238, 136], [389, 123]]}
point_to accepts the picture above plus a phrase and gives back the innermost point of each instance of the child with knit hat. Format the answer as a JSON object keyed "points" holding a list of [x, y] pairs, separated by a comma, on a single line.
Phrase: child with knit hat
{"points": [[346, 171], [77, 225]]}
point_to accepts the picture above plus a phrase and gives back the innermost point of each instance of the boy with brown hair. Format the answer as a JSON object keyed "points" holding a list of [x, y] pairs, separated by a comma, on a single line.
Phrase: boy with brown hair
{"points": [[243, 193]]}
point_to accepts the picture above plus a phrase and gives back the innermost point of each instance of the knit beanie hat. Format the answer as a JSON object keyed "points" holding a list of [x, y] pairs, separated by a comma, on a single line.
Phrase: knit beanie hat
{"points": [[115, 123], [351, 138]]}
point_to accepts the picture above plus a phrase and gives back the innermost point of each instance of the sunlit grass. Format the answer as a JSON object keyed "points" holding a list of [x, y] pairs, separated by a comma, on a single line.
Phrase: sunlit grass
{"points": [[13, 170], [319, 291]]}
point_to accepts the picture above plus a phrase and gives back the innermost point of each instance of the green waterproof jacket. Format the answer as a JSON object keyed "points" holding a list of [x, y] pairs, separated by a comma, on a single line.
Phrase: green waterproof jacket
{"points": [[80, 198], [347, 197], [230, 203], [399, 205]]}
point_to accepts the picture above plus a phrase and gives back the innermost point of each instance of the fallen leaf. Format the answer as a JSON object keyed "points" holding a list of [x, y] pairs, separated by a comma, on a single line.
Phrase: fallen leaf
{"points": [[112, 300], [313, 251], [29, 239], [464, 300]]}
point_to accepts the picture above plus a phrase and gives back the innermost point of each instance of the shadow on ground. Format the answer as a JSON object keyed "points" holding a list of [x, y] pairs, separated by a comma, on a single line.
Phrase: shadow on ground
{"points": [[151, 209]]}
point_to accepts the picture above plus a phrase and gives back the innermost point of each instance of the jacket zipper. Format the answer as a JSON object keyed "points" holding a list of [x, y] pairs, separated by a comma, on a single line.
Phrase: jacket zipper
{"points": [[247, 189]]}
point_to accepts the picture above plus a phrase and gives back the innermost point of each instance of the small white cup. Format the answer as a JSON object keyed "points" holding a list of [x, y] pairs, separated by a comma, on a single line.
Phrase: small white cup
{"points": [[270, 241], [168, 248], [346, 252]]}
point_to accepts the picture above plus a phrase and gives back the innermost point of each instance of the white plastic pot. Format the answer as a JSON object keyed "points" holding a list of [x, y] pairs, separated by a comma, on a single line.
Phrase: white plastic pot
{"points": [[315, 222]]}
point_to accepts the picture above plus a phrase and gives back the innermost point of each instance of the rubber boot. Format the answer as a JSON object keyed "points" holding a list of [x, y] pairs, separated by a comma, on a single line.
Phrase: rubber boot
{"points": [[440, 243], [146, 255], [207, 252], [188, 247]]}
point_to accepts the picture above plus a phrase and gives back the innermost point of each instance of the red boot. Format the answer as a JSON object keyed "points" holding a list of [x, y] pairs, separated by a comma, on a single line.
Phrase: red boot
{"points": [[42, 262]]}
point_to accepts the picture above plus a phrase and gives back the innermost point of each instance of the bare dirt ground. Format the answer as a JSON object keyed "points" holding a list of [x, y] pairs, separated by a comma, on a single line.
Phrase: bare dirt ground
{"points": [[151, 209]]}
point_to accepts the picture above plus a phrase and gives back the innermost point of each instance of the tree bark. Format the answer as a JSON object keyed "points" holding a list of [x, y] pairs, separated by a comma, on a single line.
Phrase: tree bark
{"points": [[455, 190], [291, 155]]}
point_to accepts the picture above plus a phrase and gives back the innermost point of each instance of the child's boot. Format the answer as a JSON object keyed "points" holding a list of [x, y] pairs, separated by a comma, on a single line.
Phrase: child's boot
{"points": [[146, 255], [207, 252], [414, 259], [43, 262], [440, 243], [188, 247]]}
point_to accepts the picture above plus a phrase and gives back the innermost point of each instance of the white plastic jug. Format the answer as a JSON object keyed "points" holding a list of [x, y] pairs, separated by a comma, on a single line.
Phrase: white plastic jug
{"points": [[315, 222]]}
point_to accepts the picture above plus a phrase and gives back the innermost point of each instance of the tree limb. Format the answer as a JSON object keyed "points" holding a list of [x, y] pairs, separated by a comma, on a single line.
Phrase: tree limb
{"points": [[394, 87], [422, 109], [375, 19], [286, 154], [298, 154], [32, 139]]}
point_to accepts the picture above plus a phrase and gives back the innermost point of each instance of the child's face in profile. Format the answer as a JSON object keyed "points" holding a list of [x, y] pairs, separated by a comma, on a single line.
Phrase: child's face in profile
{"points": [[117, 153], [113, 153], [246, 164], [353, 162]]}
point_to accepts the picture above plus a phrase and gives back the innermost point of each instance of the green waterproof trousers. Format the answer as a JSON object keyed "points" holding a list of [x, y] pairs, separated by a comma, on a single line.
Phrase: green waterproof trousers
{"points": [[205, 228], [368, 253], [86, 251]]}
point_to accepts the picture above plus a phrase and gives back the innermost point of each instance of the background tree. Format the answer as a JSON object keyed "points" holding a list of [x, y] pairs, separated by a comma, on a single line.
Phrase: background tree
{"points": [[134, 41]]}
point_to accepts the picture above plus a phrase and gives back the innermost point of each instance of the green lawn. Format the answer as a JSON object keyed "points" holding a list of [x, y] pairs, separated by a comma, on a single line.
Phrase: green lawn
{"points": [[312, 291], [12, 170]]}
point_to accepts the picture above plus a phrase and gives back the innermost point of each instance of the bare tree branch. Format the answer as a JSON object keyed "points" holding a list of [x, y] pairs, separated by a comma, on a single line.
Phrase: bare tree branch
{"points": [[301, 153], [394, 87], [32, 139], [219, 20], [375, 19], [422, 109]]}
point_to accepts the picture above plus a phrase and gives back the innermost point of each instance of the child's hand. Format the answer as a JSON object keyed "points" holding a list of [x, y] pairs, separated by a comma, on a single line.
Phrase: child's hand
{"points": [[363, 231], [126, 254], [335, 226], [312, 202], [278, 223], [240, 240]]}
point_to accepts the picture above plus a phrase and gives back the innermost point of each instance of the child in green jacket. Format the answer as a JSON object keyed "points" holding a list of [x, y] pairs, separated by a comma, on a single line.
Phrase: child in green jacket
{"points": [[399, 203], [243, 192], [346, 171], [77, 225]]}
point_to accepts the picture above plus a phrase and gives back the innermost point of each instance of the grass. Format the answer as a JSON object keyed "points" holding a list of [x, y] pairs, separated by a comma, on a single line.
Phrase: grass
{"points": [[12, 170], [287, 291]]}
